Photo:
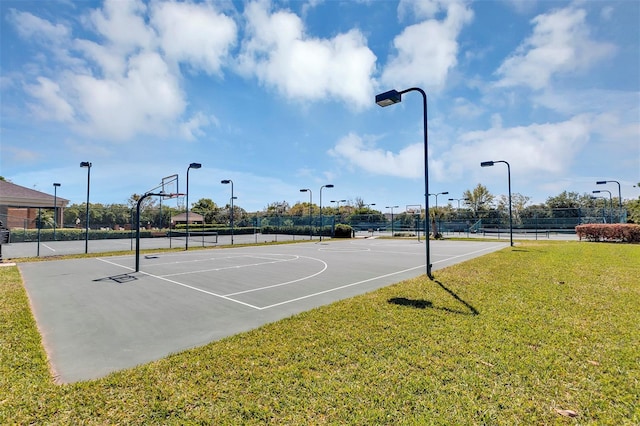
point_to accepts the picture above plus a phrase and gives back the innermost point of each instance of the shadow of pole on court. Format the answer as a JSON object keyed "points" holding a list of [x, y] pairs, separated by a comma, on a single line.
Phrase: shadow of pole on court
{"points": [[120, 279]]}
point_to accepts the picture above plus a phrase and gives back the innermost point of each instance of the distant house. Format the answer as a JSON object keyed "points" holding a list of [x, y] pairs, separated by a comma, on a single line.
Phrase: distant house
{"points": [[19, 205], [182, 218]]}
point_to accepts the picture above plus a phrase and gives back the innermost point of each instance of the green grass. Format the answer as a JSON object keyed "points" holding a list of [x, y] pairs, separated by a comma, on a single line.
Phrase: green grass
{"points": [[508, 339]]}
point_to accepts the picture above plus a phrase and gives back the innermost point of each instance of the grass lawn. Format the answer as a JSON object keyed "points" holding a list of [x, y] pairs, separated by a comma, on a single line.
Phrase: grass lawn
{"points": [[542, 333]]}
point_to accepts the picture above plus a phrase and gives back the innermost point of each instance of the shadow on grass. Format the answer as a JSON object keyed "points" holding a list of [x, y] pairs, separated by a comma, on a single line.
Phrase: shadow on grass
{"points": [[418, 304], [423, 304]]}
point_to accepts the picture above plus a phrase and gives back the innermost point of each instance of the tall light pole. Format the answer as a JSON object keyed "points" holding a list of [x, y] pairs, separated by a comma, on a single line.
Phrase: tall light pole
{"points": [[610, 203], [436, 195], [391, 207], [323, 186], [191, 166], [393, 97], [310, 201], [86, 234], [227, 182], [604, 209], [490, 164], [55, 208], [338, 204], [602, 182], [435, 214], [458, 200], [368, 206]]}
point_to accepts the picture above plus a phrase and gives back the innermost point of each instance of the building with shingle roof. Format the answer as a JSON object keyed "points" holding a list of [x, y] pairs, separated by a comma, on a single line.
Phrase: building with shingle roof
{"points": [[182, 218], [19, 205]]}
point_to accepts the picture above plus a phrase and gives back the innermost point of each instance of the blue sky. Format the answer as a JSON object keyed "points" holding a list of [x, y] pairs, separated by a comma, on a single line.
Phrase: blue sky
{"points": [[279, 96]]}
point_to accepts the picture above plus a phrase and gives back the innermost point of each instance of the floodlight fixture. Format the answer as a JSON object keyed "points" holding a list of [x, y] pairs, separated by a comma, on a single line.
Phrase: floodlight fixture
{"points": [[389, 98]]}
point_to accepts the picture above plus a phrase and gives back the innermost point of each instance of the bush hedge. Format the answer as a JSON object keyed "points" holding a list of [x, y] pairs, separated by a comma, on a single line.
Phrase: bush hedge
{"points": [[70, 234], [343, 231], [622, 232]]}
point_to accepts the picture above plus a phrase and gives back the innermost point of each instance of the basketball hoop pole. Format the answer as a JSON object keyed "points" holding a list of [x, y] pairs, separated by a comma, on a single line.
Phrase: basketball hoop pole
{"points": [[148, 194]]}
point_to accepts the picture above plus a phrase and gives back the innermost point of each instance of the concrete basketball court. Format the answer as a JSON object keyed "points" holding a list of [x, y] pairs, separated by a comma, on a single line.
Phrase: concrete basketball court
{"points": [[97, 316]]}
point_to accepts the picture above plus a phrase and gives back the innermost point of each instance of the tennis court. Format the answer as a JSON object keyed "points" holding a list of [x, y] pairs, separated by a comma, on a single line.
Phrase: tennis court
{"points": [[98, 316]]}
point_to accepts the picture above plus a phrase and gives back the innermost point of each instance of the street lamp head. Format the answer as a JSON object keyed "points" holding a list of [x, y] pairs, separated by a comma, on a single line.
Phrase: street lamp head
{"points": [[486, 164], [225, 181], [388, 98], [372, 204], [601, 182], [596, 191], [85, 164], [452, 199], [195, 165], [329, 185], [445, 193], [304, 190], [56, 184]]}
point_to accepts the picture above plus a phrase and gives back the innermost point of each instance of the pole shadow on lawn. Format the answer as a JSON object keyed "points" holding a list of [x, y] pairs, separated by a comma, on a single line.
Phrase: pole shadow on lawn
{"points": [[423, 304]]}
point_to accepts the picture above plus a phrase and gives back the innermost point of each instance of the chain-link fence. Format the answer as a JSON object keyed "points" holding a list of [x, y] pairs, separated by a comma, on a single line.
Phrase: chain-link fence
{"points": [[168, 228]]}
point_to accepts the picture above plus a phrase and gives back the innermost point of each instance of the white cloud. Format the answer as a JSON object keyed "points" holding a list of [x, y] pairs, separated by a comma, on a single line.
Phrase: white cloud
{"points": [[125, 80], [420, 9], [192, 128], [538, 149], [560, 43], [194, 33], [51, 104], [34, 28], [464, 108], [123, 25], [145, 100], [281, 55], [408, 162], [427, 51]]}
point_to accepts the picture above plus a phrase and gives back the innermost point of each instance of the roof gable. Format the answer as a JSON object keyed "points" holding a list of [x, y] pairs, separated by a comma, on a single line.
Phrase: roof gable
{"points": [[20, 196]]}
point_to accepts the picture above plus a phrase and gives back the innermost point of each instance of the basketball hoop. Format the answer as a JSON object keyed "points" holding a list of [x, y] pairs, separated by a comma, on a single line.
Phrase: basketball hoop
{"points": [[179, 197]]}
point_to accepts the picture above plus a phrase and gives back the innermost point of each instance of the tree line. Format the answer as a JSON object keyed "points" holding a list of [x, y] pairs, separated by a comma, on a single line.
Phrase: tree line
{"points": [[476, 203]]}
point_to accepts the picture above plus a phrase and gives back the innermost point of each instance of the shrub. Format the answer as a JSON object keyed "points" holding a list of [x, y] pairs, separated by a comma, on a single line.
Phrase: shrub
{"points": [[343, 231], [623, 232]]}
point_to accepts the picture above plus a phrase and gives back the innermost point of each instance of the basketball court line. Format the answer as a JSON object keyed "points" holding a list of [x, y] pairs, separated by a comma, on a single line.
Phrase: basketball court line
{"points": [[329, 290], [210, 293], [231, 267], [95, 326], [228, 296]]}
